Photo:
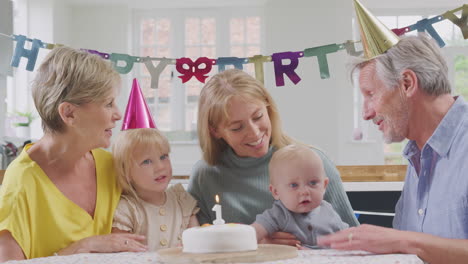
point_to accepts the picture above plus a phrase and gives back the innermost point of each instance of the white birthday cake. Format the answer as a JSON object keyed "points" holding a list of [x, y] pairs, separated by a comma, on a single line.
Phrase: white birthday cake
{"points": [[219, 238]]}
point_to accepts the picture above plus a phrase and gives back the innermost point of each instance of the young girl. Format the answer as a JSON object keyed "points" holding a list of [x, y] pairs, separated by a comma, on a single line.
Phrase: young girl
{"points": [[147, 207]]}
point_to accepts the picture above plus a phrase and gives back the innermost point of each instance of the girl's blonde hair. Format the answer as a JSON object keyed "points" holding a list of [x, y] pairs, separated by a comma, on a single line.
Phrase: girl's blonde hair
{"points": [[70, 75], [124, 147], [213, 110]]}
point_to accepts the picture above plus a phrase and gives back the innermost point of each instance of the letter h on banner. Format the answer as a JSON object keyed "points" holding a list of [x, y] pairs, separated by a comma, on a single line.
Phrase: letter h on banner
{"points": [[20, 51]]}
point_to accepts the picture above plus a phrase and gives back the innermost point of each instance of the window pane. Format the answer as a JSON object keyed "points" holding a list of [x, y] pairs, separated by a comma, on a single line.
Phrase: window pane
{"points": [[162, 118], [145, 83], [253, 30], [192, 31], [461, 76], [252, 50], [163, 28], [192, 52], [209, 52], [395, 160], [163, 52], [191, 117], [237, 30], [250, 69], [193, 87], [164, 91], [237, 51], [208, 33], [393, 153], [147, 31]]}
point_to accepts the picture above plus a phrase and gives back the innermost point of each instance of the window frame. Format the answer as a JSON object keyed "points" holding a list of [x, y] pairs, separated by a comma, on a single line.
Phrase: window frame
{"points": [[177, 16]]}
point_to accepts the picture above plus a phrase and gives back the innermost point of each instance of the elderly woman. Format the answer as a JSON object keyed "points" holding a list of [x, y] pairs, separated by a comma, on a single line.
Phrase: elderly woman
{"points": [[59, 194], [239, 128]]}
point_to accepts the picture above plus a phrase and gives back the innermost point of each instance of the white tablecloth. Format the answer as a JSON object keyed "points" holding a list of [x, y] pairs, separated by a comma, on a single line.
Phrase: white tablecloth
{"points": [[323, 256]]}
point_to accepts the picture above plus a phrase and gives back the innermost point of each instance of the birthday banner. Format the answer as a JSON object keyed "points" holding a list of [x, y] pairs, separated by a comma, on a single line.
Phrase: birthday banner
{"points": [[201, 67]]}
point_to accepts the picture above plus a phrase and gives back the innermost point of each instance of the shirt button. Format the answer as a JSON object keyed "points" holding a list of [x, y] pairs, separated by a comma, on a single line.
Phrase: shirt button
{"points": [[309, 227], [163, 242], [420, 211], [162, 211], [163, 227]]}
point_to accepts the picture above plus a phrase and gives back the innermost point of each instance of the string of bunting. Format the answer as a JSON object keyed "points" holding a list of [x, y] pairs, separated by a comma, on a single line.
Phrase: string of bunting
{"points": [[203, 65]]}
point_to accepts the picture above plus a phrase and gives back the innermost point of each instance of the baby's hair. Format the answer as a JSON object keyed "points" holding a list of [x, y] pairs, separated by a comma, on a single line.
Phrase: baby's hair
{"points": [[285, 155], [123, 150]]}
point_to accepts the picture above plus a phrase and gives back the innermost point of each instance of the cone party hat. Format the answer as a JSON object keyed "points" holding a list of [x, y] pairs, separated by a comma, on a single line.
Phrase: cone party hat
{"points": [[137, 114], [376, 38]]}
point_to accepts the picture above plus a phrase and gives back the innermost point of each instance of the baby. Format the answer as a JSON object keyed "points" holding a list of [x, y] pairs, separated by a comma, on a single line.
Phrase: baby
{"points": [[298, 183]]}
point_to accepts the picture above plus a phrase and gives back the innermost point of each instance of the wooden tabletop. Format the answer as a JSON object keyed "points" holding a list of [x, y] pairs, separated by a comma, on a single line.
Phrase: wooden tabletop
{"points": [[355, 173]]}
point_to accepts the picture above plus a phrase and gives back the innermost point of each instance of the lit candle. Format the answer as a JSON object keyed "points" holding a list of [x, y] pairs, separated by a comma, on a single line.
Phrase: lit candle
{"points": [[217, 208]]}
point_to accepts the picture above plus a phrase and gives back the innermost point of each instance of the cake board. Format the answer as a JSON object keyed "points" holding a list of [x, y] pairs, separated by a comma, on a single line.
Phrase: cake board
{"points": [[265, 252]]}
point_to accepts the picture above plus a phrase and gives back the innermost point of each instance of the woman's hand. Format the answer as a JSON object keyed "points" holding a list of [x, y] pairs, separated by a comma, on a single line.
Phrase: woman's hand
{"points": [[281, 238], [117, 242]]}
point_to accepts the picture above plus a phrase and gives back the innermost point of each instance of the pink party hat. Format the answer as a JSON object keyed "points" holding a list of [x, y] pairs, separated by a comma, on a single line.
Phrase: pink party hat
{"points": [[137, 114]]}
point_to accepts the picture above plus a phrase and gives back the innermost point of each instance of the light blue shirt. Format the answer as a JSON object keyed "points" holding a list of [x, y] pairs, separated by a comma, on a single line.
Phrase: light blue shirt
{"points": [[436, 201]]}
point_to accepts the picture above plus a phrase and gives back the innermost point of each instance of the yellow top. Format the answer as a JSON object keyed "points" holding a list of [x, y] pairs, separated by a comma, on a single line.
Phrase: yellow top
{"points": [[41, 219]]}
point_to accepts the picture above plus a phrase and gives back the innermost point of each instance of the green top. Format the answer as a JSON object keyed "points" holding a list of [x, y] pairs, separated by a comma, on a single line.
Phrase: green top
{"points": [[243, 187]]}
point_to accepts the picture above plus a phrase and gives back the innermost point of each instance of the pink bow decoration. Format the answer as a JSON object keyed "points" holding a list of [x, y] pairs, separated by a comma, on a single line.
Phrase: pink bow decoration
{"points": [[198, 68]]}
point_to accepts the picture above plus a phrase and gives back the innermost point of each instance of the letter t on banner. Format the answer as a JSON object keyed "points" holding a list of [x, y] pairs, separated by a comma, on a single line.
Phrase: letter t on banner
{"points": [[237, 62], [258, 61], [426, 25], [288, 69], [321, 53], [20, 51]]}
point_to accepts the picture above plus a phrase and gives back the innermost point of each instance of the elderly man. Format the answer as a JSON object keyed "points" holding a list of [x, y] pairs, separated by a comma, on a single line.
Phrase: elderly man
{"points": [[407, 95]]}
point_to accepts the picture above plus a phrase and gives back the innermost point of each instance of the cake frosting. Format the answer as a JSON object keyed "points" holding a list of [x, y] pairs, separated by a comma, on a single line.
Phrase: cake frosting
{"points": [[219, 238]]}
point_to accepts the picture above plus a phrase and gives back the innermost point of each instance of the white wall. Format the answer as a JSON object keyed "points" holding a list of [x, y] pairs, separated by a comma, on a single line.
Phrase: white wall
{"points": [[6, 48], [317, 111]]}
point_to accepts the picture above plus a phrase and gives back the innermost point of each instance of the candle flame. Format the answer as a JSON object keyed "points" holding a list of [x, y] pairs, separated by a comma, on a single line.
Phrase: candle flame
{"points": [[217, 198]]}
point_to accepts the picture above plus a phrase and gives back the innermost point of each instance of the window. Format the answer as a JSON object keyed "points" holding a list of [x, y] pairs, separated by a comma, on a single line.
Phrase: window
{"points": [[176, 33]]}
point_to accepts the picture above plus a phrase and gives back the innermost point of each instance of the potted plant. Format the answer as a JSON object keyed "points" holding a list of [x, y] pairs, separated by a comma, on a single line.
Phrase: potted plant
{"points": [[22, 121]]}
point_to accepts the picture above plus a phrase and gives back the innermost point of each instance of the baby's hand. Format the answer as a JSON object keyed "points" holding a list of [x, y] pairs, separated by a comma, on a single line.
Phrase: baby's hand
{"points": [[299, 247]]}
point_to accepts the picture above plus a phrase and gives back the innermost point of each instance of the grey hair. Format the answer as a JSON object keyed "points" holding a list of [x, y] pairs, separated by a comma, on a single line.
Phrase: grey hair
{"points": [[421, 54]]}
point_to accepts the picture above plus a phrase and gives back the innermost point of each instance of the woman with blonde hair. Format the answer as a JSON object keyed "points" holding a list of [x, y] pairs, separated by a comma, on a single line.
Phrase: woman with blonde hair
{"points": [[59, 195], [239, 128]]}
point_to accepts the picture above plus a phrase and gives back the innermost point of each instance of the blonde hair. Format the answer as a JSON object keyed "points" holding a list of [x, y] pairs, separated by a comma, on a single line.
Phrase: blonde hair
{"points": [[289, 153], [213, 110], [124, 148], [69, 75]]}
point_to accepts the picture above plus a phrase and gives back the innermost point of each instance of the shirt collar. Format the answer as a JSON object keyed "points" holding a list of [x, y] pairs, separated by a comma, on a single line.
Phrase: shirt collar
{"points": [[442, 138]]}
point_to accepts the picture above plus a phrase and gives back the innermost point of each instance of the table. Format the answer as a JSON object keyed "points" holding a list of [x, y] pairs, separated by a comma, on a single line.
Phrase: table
{"points": [[322, 256]]}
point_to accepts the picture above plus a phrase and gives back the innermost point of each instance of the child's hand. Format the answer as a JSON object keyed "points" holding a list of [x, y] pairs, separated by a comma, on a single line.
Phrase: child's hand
{"points": [[299, 247]]}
